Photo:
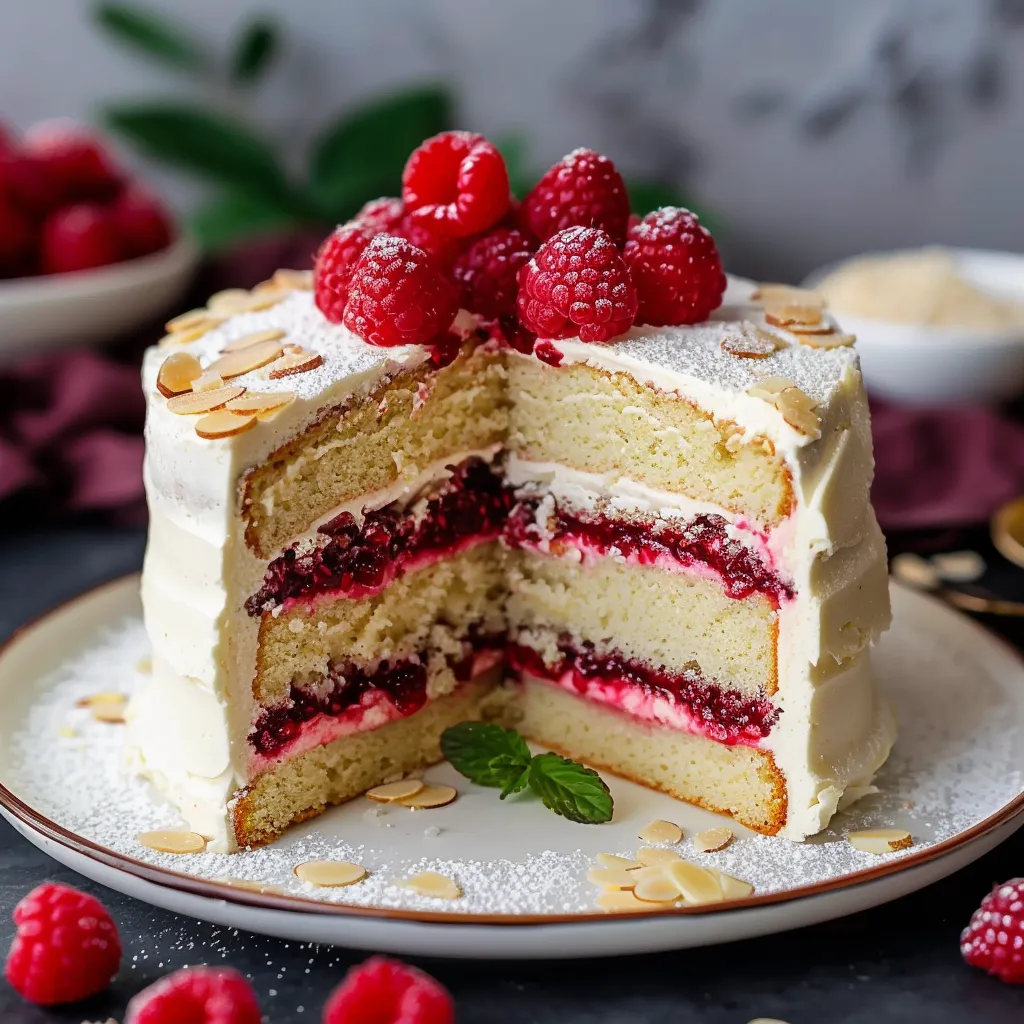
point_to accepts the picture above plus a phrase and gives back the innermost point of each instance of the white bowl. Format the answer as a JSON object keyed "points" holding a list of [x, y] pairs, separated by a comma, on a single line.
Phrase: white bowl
{"points": [[922, 365], [39, 314]]}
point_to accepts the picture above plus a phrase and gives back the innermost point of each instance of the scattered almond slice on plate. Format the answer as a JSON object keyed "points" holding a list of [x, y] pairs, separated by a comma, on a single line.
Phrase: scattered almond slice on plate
{"points": [[913, 570], [713, 839], [176, 374], [196, 403], [399, 790], [656, 888], [430, 883], [245, 360], [613, 860], [655, 855], [223, 423], [622, 900], [881, 840], [695, 884], [959, 566], [271, 334], [330, 874], [732, 888], [430, 796], [660, 831], [612, 878], [172, 841], [252, 886], [295, 362]]}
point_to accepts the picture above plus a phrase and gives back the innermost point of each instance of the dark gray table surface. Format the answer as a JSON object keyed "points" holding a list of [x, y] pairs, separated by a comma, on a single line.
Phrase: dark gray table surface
{"points": [[898, 963]]}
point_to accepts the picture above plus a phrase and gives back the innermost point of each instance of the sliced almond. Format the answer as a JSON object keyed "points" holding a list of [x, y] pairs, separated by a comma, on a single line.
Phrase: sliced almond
{"points": [[267, 297], [223, 423], [772, 292], [623, 901], [613, 860], [732, 888], [245, 360], [295, 362], [260, 402], [430, 796], [695, 884], [750, 342], [173, 841], [297, 280], [103, 697], [112, 713], [831, 339], [229, 301], [208, 382], [797, 408], [395, 790], [656, 889], [660, 831], [430, 883], [186, 337], [913, 570], [959, 566], [271, 334], [176, 374], [794, 312], [251, 886], [197, 403], [881, 840], [649, 855], [187, 321], [713, 839], [612, 878], [330, 874]]}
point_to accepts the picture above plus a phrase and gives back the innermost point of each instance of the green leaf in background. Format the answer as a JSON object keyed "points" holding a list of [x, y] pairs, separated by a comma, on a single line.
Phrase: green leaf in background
{"points": [[227, 219], [513, 149], [208, 144], [255, 51], [645, 196], [150, 33], [361, 155]]}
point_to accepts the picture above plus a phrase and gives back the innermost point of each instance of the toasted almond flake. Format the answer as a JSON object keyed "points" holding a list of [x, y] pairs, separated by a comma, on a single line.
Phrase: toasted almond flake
{"points": [[834, 339], [186, 321], [208, 382], [195, 404], [192, 334], [267, 298], [713, 839], [695, 884], [176, 374], [959, 566], [270, 334], [732, 888], [245, 360], [223, 423], [430, 883], [294, 362], [797, 408], [613, 860], [915, 571], [794, 311], [330, 874], [656, 888], [881, 840], [395, 790], [750, 342], [260, 402], [612, 878], [659, 831], [297, 280], [229, 301], [67, 733], [430, 796], [649, 855], [772, 292], [621, 900], [103, 697], [112, 712], [171, 840], [144, 665]]}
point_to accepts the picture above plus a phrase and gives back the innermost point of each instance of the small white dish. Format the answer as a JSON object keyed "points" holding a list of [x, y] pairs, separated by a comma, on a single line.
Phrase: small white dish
{"points": [[41, 314], [924, 365], [954, 781]]}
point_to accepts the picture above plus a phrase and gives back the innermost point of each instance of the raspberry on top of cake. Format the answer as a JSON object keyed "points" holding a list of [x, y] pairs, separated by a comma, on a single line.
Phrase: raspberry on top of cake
{"points": [[494, 458]]}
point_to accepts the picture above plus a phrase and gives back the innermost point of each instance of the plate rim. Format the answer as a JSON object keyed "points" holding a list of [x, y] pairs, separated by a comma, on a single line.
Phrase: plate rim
{"points": [[49, 829]]}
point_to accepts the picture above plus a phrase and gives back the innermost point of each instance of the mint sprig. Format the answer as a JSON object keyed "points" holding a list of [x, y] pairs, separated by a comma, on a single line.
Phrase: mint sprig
{"points": [[490, 755]]}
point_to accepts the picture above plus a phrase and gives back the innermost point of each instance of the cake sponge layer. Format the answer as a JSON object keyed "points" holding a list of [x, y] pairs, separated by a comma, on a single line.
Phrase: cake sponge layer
{"points": [[601, 422], [735, 780]]}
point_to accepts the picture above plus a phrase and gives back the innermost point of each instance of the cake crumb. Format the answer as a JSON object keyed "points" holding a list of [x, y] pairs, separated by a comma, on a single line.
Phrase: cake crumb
{"points": [[431, 831]]}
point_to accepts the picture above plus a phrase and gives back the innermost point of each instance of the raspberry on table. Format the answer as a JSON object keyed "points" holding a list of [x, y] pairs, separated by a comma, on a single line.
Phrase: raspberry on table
{"points": [[675, 266], [196, 995], [457, 182], [336, 259], [577, 283], [66, 946], [486, 272], [582, 190], [994, 938], [141, 222], [79, 237], [383, 991], [397, 295]]}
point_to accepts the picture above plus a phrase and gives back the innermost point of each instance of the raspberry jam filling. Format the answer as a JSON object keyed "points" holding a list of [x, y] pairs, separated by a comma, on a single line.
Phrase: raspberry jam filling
{"points": [[685, 700], [703, 541], [359, 559], [359, 699]]}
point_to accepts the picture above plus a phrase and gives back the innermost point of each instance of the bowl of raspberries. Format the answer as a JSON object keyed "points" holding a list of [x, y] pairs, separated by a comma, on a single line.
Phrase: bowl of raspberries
{"points": [[86, 252]]}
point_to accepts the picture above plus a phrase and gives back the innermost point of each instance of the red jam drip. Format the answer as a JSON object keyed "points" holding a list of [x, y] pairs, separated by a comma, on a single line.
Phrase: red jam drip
{"points": [[473, 505], [704, 540], [727, 716]]}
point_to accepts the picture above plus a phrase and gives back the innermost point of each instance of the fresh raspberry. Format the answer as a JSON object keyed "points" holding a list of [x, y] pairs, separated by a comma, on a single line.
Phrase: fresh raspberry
{"points": [[75, 162], [398, 295], [66, 947], [17, 241], [486, 272], [141, 222], [382, 991], [382, 215], [458, 182], [444, 249], [582, 190], [994, 938], [675, 266], [196, 995], [337, 258], [577, 284], [26, 184], [79, 237]]}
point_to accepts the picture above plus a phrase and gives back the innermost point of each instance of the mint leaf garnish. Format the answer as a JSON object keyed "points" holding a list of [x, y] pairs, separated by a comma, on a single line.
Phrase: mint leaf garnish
{"points": [[570, 789], [493, 756]]}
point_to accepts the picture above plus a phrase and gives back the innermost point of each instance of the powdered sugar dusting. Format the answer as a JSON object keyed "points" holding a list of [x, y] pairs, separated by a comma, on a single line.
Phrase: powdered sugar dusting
{"points": [[957, 762]]}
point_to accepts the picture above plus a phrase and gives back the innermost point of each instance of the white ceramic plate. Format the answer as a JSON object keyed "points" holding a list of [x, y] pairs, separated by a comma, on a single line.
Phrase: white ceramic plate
{"points": [[954, 781], [40, 314]]}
